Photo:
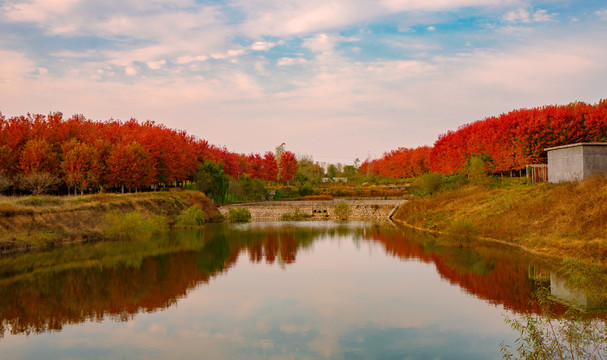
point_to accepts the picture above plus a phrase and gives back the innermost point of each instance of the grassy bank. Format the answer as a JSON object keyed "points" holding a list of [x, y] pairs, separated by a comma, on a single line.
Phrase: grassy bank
{"points": [[560, 220], [43, 221]]}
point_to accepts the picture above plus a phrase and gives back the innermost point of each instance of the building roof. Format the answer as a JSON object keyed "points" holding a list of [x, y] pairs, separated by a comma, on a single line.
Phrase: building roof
{"points": [[574, 145]]}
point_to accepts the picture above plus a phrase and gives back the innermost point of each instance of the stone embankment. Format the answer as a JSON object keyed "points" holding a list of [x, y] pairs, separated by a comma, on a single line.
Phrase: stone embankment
{"points": [[319, 210]]}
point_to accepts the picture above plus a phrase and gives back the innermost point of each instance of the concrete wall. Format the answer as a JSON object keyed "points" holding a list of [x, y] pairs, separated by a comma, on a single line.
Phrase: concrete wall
{"points": [[319, 210], [576, 161]]}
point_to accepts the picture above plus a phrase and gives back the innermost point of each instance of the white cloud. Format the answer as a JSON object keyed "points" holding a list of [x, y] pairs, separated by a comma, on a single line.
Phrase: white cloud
{"points": [[602, 14], [523, 15], [38, 10], [542, 16], [155, 65], [130, 70], [262, 46], [188, 59], [321, 43], [287, 61], [14, 66], [431, 28]]}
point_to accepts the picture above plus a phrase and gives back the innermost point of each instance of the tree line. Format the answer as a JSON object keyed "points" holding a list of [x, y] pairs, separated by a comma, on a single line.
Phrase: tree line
{"points": [[507, 143], [39, 153]]}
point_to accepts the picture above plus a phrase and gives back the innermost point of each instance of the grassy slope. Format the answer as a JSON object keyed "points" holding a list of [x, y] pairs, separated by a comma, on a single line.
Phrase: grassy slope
{"points": [[34, 222], [562, 220]]}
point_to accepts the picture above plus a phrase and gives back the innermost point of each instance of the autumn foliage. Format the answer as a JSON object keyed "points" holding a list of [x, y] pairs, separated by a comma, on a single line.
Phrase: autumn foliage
{"points": [[85, 155], [509, 141]]}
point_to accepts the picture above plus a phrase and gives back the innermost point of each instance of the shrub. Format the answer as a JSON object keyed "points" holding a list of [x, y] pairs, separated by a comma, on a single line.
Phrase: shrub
{"points": [[246, 189], [549, 336], [5, 182], [428, 184], [38, 182], [476, 171], [239, 214], [216, 218], [342, 211], [462, 230], [211, 180], [305, 189], [191, 217], [132, 225], [296, 215]]}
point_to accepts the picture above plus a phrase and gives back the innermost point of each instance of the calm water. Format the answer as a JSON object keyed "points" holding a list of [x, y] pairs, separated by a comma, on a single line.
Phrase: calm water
{"points": [[266, 291]]}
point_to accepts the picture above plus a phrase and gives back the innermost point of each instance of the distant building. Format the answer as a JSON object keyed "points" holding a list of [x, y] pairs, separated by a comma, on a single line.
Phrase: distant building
{"points": [[576, 161], [335, 179]]}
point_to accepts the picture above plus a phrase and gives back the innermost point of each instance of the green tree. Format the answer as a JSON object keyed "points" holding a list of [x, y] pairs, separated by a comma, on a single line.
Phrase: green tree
{"points": [[332, 171], [211, 180]]}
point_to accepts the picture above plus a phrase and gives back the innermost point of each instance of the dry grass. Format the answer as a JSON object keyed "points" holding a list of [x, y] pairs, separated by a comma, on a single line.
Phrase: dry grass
{"points": [[318, 197], [564, 220], [30, 222]]}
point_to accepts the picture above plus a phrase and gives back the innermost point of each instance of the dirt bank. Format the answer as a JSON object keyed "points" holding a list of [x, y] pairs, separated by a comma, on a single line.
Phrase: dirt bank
{"points": [[36, 222], [558, 220]]}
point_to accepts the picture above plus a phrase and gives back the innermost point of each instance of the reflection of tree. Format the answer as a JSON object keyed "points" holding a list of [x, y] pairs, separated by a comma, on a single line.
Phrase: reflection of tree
{"points": [[500, 277], [45, 290]]}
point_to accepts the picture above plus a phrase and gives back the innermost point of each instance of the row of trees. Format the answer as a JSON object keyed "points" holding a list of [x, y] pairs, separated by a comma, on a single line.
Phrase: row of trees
{"points": [[507, 142], [38, 152]]}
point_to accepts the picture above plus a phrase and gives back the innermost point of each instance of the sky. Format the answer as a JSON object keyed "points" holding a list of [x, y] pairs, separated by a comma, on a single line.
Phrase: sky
{"points": [[334, 80]]}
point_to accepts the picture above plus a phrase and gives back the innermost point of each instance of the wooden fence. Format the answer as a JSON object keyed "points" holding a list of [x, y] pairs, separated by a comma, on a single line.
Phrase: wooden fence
{"points": [[537, 173]]}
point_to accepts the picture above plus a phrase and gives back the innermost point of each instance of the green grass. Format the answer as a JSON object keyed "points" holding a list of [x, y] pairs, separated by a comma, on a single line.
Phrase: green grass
{"points": [[296, 215], [191, 217], [239, 214], [132, 225]]}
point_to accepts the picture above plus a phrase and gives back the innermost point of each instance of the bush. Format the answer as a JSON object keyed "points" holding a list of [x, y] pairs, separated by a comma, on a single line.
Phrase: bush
{"points": [[211, 180], [132, 225], [5, 182], [246, 189], [342, 211], [191, 217], [216, 218], [296, 215], [239, 214], [476, 171], [305, 189], [428, 184], [38, 182], [462, 230]]}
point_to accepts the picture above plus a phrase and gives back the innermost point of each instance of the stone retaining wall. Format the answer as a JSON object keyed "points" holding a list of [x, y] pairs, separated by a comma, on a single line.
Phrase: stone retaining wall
{"points": [[319, 210]]}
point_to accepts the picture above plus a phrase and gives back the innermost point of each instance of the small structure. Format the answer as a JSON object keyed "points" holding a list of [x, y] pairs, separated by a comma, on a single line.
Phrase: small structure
{"points": [[576, 161], [537, 173]]}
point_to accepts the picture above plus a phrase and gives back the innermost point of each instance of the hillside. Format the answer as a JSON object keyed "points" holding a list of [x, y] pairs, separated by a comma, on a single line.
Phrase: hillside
{"points": [[560, 220]]}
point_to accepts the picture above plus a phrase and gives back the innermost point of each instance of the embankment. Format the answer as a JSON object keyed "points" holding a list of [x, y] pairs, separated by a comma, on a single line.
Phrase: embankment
{"points": [[558, 220], [372, 209], [35, 222]]}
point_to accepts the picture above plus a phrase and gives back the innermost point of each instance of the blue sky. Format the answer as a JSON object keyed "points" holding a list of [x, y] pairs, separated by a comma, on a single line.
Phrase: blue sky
{"points": [[333, 79]]}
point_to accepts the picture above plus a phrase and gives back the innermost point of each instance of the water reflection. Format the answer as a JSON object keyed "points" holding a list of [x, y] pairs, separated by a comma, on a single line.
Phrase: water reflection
{"points": [[41, 292]]}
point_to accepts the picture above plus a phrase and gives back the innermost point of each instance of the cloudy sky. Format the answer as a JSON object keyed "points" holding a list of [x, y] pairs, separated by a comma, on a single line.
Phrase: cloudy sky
{"points": [[335, 79]]}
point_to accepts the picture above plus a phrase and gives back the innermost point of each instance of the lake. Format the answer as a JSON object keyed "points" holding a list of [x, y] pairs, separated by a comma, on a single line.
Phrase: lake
{"points": [[282, 290]]}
